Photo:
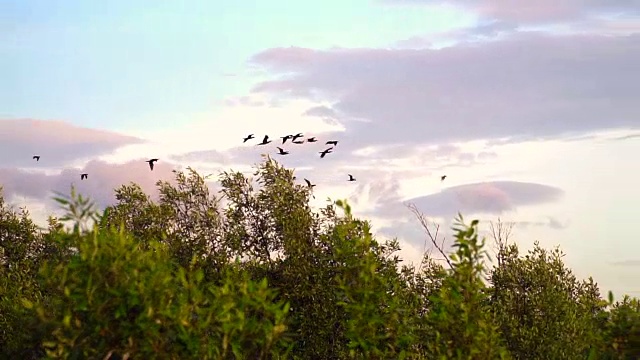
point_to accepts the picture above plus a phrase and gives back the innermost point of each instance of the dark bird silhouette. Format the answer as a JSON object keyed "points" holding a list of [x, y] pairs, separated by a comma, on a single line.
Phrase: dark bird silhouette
{"points": [[281, 151], [332, 142], [309, 184], [151, 163], [351, 178], [443, 177], [36, 157], [312, 139], [83, 176], [285, 138], [298, 142], [265, 141], [325, 152], [248, 138], [296, 136]]}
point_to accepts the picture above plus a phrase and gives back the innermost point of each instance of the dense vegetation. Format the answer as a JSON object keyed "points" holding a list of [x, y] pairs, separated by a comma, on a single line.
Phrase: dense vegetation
{"points": [[255, 273]]}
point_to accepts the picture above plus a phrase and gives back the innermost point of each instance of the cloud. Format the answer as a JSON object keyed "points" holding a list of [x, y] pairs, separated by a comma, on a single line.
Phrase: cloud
{"points": [[551, 223], [482, 32], [529, 85], [102, 179], [541, 11], [627, 137], [57, 142], [633, 263], [494, 197], [243, 101]]}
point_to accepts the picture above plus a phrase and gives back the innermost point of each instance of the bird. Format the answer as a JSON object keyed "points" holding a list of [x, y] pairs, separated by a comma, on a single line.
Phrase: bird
{"points": [[281, 151], [309, 184], [265, 141], [332, 142], [83, 176], [312, 139], [285, 138], [248, 138], [294, 137], [325, 152], [351, 178], [298, 142], [151, 163], [443, 177], [36, 157]]}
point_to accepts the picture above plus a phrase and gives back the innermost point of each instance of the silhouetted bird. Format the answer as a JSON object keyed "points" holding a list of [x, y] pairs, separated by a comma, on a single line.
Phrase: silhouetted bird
{"points": [[296, 136], [332, 142], [36, 157], [285, 138], [298, 142], [265, 141], [351, 178], [312, 139], [83, 176], [325, 152], [281, 151], [443, 177], [309, 184], [151, 163], [248, 138]]}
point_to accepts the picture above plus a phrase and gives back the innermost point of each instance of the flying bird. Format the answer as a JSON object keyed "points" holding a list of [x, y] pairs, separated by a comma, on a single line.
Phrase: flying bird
{"points": [[309, 184], [281, 151], [443, 177], [296, 136], [312, 139], [325, 152], [151, 163], [248, 138], [36, 157], [298, 142], [265, 141], [332, 142], [83, 176], [285, 138], [351, 178]]}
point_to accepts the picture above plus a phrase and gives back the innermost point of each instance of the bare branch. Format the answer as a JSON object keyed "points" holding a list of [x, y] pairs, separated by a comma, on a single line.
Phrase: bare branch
{"points": [[500, 232], [433, 237]]}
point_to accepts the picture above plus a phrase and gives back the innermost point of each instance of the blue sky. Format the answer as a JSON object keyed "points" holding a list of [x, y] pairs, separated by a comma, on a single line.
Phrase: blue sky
{"points": [[121, 64], [531, 112]]}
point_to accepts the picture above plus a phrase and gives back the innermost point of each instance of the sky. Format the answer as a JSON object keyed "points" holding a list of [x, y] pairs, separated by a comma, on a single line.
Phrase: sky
{"points": [[530, 109]]}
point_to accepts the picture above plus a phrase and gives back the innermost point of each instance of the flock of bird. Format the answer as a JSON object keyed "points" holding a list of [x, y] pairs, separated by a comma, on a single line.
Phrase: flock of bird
{"points": [[294, 140], [298, 139]]}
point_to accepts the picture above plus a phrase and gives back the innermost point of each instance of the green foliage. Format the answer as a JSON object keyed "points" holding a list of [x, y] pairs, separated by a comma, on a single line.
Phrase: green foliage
{"points": [[253, 272], [542, 309], [116, 297], [463, 326]]}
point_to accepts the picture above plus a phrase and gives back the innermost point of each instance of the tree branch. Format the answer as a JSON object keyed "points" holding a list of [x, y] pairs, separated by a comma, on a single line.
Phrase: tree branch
{"points": [[433, 237]]}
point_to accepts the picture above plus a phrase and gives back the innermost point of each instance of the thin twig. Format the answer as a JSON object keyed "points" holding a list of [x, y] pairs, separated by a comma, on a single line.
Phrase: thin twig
{"points": [[433, 237]]}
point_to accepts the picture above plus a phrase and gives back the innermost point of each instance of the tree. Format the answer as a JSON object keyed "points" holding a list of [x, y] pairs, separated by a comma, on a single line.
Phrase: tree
{"points": [[252, 271], [543, 311]]}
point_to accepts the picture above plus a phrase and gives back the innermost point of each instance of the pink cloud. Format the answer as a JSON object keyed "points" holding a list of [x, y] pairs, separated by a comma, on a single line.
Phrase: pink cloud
{"points": [[527, 85], [541, 11], [57, 142], [102, 179]]}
